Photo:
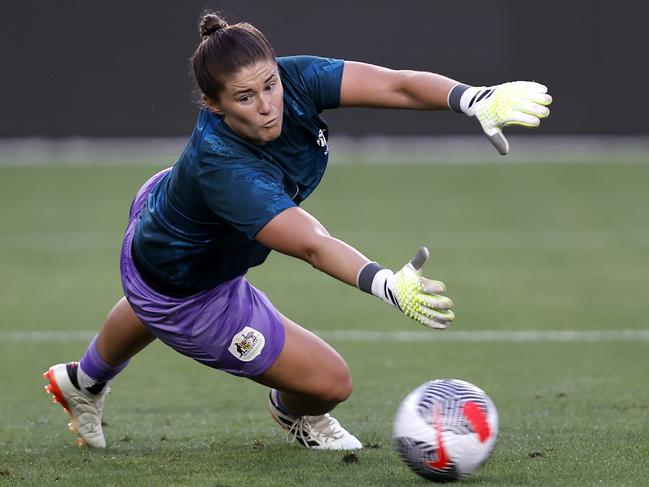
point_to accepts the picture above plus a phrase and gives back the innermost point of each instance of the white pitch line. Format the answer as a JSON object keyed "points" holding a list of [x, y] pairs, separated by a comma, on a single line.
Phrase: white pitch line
{"points": [[373, 150], [529, 336], [46, 336], [508, 336]]}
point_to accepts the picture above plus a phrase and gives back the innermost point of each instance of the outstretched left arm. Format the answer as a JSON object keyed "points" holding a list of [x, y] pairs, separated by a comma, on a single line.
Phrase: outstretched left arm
{"points": [[366, 85]]}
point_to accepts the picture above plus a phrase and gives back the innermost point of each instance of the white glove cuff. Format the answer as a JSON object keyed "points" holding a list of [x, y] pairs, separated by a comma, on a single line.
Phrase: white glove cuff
{"points": [[366, 275], [471, 96], [455, 95], [463, 98], [373, 279], [380, 287]]}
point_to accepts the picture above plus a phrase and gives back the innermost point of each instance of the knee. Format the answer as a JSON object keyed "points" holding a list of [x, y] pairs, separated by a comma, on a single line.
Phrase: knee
{"points": [[338, 385]]}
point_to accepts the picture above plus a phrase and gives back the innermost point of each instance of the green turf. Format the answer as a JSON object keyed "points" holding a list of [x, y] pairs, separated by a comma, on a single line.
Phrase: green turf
{"points": [[521, 247]]}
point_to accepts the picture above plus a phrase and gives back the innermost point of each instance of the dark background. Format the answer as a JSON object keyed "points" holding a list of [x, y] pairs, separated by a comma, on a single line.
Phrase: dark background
{"points": [[88, 68]]}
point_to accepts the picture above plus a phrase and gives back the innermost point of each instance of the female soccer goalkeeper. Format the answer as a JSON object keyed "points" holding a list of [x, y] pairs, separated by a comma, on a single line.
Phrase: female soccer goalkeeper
{"points": [[258, 149]]}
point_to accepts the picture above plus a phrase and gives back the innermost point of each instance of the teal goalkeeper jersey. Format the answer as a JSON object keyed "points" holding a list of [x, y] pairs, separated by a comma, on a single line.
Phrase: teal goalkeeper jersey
{"points": [[198, 227]]}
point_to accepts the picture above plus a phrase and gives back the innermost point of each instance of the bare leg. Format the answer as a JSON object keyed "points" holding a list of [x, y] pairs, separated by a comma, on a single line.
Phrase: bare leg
{"points": [[312, 377], [122, 335]]}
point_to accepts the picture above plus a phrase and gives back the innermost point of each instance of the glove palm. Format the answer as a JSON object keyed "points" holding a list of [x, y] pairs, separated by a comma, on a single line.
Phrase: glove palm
{"points": [[521, 103], [418, 298]]}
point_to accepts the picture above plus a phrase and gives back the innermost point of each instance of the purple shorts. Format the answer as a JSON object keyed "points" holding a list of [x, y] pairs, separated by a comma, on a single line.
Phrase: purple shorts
{"points": [[233, 327]]}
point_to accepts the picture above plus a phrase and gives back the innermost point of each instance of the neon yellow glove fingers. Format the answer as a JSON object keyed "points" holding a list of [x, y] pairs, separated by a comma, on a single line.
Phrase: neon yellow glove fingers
{"points": [[418, 298], [439, 315], [442, 316], [432, 287], [521, 103], [436, 302], [530, 86], [438, 320], [532, 108], [522, 119], [534, 92], [540, 98]]}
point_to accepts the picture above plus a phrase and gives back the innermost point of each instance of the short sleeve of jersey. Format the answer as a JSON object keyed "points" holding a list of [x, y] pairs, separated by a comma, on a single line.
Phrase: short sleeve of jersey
{"points": [[319, 77], [245, 196]]}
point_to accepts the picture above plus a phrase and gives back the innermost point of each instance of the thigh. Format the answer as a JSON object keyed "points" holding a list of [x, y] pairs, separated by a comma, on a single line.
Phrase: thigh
{"points": [[307, 365], [233, 327]]}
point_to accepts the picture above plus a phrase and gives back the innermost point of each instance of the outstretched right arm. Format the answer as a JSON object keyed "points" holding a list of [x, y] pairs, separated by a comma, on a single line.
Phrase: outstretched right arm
{"points": [[295, 232]]}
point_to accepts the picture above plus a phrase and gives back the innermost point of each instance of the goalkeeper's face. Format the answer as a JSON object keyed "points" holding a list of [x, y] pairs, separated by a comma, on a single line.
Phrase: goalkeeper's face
{"points": [[252, 102]]}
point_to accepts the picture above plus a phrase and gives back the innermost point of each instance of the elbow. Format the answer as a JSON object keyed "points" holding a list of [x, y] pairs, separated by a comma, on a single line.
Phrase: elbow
{"points": [[404, 82], [312, 248]]}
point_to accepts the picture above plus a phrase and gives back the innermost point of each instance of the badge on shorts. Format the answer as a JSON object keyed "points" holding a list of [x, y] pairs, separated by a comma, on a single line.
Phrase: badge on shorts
{"points": [[247, 344]]}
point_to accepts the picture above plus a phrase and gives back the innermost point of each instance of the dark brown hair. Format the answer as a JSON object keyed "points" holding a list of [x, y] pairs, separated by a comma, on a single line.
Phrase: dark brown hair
{"points": [[224, 50]]}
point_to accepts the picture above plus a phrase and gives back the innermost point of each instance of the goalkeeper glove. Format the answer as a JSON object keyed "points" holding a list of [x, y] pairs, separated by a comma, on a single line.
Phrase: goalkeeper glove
{"points": [[417, 297], [516, 103]]}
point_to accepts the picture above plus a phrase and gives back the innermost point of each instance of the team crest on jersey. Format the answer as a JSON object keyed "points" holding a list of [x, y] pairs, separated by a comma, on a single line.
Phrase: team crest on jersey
{"points": [[322, 141], [247, 344]]}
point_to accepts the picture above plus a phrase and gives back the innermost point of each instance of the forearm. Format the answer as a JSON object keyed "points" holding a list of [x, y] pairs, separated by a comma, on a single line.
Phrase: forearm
{"points": [[336, 258], [296, 233], [366, 85], [424, 91]]}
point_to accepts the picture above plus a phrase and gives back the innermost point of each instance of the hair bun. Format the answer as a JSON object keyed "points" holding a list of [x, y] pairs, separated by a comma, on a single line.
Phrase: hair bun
{"points": [[210, 23]]}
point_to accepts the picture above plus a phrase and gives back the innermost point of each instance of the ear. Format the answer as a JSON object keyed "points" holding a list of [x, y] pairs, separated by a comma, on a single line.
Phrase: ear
{"points": [[212, 105]]}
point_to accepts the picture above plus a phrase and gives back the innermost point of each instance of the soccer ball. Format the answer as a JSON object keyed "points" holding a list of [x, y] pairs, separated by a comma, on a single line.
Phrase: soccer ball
{"points": [[445, 429]]}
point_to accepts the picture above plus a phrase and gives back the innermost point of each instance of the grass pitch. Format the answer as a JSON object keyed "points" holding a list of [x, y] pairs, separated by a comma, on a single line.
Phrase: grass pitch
{"points": [[520, 247]]}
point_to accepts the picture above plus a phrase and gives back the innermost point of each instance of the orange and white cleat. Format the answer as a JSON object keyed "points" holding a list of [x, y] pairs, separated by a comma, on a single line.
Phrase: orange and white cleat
{"points": [[84, 408]]}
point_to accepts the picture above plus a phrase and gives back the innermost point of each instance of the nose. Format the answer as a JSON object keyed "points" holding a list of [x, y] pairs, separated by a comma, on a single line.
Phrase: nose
{"points": [[265, 106]]}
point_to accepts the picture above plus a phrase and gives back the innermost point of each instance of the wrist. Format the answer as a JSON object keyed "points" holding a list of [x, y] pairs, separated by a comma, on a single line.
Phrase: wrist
{"points": [[463, 98], [373, 279], [366, 275], [455, 96]]}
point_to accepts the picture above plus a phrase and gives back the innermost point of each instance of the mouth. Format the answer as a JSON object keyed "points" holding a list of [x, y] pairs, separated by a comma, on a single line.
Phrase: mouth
{"points": [[270, 123]]}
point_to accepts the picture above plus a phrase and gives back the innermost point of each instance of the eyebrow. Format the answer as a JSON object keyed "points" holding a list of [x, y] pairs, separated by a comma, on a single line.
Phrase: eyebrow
{"points": [[246, 90]]}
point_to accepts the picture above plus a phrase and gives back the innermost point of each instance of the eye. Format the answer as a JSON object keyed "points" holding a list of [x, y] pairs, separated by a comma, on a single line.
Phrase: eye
{"points": [[245, 99], [269, 87]]}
